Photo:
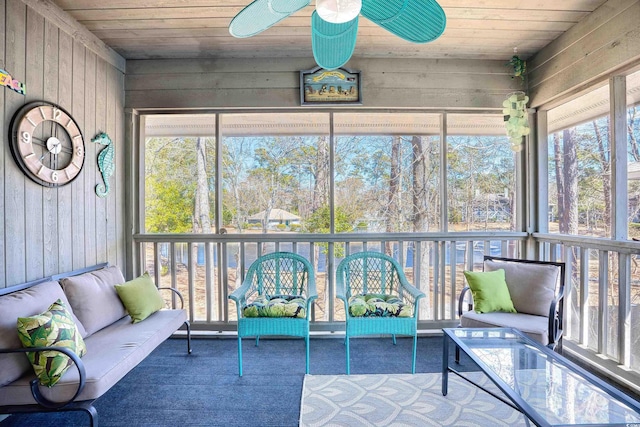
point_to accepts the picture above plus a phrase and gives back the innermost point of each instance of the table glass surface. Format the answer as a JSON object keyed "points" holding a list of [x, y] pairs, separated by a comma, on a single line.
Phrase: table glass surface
{"points": [[545, 382]]}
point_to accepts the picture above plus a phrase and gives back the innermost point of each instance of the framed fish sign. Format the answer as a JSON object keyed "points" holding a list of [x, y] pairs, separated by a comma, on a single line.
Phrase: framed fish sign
{"points": [[341, 86]]}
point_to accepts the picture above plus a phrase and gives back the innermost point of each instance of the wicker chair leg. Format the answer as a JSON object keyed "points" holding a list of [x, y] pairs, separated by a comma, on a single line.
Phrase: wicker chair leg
{"points": [[413, 357], [347, 344], [257, 339], [393, 338], [306, 344], [239, 355]]}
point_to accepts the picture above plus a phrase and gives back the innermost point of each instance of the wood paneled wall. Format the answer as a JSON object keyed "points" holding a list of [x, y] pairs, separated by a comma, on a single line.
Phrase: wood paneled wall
{"points": [[604, 42], [52, 230], [274, 83]]}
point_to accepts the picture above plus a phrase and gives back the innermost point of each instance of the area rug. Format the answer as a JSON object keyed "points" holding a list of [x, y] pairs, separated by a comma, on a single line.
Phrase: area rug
{"points": [[402, 400]]}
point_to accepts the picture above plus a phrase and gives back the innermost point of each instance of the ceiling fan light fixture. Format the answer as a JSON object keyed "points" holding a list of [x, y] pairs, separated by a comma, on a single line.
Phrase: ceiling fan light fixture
{"points": [[338, 11]]}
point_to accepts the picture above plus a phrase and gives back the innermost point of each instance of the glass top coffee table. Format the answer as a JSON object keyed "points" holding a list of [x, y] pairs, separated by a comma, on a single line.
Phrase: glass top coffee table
{"points": [[544, 386]]}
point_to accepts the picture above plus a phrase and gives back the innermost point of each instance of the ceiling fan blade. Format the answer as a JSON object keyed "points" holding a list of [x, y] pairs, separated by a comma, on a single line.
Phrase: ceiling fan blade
{"points": [[332, 44], [262, 14], [417, 21]]}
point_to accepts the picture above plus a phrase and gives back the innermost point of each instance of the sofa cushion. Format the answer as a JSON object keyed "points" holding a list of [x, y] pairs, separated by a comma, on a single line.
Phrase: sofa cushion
{"points": [[94, 299], [140, 297], [24, 303], [53, 328], [490, 291], [111, 353], [535, 327], [378, 305], [531, 286]]}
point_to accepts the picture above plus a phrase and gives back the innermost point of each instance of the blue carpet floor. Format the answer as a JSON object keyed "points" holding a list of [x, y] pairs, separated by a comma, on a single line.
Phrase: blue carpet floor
{"points": [[172, 388]]}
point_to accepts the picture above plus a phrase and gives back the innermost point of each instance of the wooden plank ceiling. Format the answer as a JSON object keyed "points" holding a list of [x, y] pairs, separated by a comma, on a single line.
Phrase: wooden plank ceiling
{"points": [[476, 29]]}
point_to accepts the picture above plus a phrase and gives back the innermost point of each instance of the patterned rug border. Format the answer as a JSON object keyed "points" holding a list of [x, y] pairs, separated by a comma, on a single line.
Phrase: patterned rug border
{"points": [[402, 400]]}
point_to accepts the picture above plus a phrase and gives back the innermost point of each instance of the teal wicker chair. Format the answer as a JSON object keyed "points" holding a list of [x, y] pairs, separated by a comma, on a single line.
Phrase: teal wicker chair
{"points": [[377, 298], [275, 298]]}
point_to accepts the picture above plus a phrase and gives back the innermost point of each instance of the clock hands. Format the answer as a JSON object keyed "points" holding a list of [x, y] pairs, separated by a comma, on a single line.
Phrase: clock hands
{"points": [[52, 148]]}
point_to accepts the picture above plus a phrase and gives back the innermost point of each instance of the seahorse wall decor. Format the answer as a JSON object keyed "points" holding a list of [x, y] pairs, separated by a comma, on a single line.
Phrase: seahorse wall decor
{"points": [[105, 162]]}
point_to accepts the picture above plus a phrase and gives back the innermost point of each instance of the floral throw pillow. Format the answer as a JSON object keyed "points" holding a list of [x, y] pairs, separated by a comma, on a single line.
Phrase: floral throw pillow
{"points": [[53, 328], [378, 305], [276, 306]]}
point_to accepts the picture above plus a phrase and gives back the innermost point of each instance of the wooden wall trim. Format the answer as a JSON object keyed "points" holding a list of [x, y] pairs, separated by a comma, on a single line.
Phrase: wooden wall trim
{"points": [[268, 83], [605, 42], [78, 31]]}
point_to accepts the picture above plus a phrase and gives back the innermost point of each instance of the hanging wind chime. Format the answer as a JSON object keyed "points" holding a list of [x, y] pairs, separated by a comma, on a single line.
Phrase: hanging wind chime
{"points": [[516, 119], [515, 107]]}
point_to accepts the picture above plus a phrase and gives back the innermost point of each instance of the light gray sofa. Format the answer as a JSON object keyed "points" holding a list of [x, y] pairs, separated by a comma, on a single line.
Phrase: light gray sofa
{"points": [[537, 292], [114, 344]]}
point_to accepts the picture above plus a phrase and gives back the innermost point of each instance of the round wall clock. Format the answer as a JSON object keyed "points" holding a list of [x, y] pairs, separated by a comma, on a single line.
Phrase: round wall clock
{"points": [[47, 144]]}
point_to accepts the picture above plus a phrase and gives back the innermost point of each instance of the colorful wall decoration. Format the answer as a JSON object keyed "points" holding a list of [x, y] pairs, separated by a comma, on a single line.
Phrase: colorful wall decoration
{"points": [[11, 83]]}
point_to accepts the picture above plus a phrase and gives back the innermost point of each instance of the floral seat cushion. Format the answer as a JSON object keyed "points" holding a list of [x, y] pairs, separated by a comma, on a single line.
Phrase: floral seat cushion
{"points": [[276, 306], [378, 305]]}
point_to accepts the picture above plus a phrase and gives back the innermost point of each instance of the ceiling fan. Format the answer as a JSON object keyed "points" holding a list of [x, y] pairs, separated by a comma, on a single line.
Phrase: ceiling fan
{"points": [[334, 23]]}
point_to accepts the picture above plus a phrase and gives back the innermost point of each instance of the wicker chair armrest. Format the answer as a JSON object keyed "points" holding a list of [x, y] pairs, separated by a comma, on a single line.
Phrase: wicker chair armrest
{"points": [[35, 390], [311, 288], [412, 290], [341, 291], [463, 294], [313, 294], [178, 293], [240, 294]]}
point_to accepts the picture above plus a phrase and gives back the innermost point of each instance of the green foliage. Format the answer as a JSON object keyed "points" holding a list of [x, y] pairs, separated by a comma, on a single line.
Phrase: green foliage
{"points": [[455, 216], [170, 208], [320, 220], [480, 169], [281, 227], [227, 216], [170, 183], [519, 66]]}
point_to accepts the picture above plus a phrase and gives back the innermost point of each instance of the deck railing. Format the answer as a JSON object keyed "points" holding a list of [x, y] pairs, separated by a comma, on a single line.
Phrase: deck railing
{"points": [[602, 319], [603, 277], [206, 268]]}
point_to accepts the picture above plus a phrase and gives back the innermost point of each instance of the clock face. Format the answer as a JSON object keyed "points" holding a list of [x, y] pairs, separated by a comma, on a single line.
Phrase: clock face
{"points": [[47, 144]]}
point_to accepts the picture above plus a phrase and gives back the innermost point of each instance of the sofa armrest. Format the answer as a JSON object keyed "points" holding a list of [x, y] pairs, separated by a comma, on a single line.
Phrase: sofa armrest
{"points": [[176, 292], [35, 391], [463, 294], [556, 320]]}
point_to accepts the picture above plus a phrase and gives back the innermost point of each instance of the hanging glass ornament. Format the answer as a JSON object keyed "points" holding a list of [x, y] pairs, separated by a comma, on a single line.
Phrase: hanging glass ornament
{"points": [[516, 118]]}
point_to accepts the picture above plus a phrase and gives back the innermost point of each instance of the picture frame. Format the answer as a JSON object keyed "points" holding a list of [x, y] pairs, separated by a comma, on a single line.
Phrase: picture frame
{"points": [[341, 86]]}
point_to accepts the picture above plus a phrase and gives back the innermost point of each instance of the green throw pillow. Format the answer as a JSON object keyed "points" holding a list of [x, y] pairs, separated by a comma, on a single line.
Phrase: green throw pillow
{"points": [[490, 291], [140, 297], [53, 328]]}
